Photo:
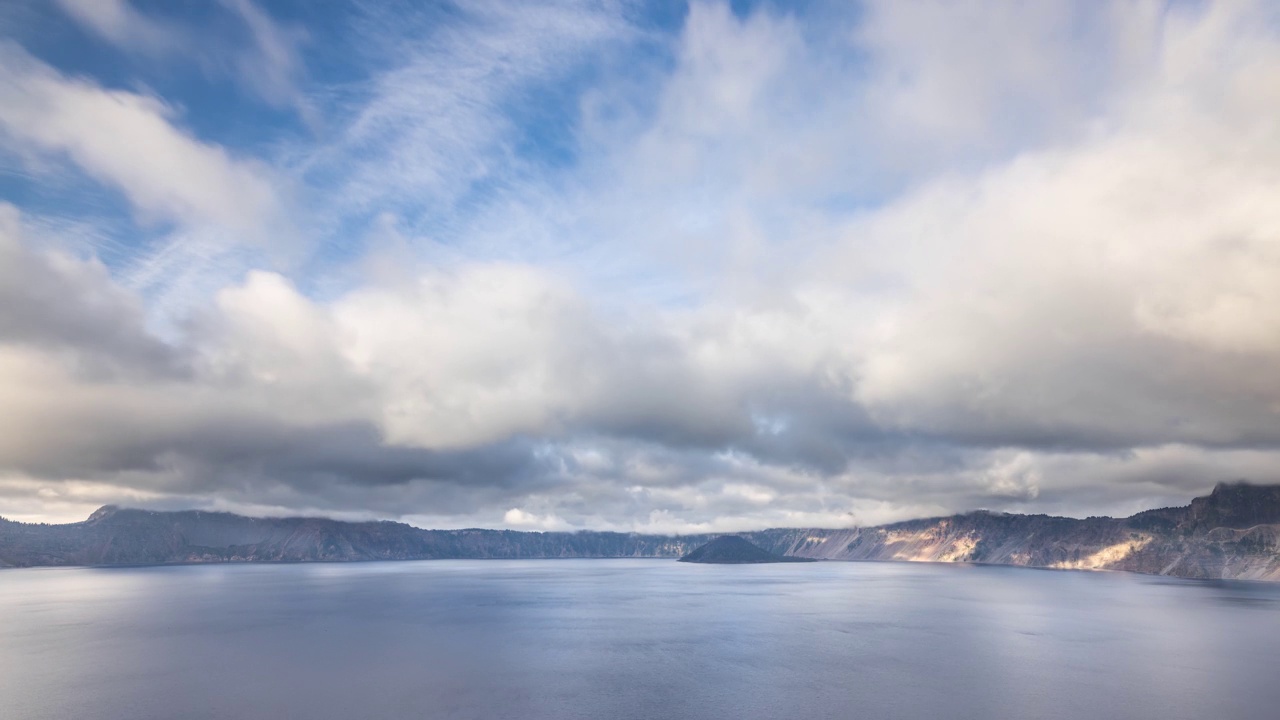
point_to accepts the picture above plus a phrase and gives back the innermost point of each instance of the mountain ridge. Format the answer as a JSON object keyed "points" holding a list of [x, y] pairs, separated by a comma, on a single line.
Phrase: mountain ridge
{"points": [[1232, 533]]}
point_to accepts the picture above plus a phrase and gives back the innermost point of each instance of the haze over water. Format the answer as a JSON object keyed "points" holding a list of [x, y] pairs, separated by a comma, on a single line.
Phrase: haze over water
{"points": [[631, 639]]}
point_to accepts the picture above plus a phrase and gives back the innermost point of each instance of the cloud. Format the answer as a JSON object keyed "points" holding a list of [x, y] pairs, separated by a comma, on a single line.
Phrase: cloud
{"points": [[1106, 291], [129, 141], [436, 124], [801, 268], [263, 393], [269, 65], [273, 69], [56, 302], [118, 22], [517, 518]]}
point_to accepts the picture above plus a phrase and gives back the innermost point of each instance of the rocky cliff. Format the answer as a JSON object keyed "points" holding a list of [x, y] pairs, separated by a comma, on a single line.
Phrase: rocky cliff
{"points": [[1234, 532]]}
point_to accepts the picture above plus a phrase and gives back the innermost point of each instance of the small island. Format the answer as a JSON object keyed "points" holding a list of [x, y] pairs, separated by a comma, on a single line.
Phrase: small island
{"points": [[734, 550]]}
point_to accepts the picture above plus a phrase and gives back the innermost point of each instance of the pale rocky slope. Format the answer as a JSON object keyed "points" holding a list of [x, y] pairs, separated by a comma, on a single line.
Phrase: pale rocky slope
{"points": [[1234, 532]]}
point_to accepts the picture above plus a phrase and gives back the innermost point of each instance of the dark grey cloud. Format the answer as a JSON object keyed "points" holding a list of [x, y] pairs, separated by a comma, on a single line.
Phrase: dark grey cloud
{"points": [[58, 303]]}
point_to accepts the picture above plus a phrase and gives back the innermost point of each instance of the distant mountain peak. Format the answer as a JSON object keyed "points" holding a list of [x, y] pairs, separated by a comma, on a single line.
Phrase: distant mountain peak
{"points": [[104, 512], [735, 550]]}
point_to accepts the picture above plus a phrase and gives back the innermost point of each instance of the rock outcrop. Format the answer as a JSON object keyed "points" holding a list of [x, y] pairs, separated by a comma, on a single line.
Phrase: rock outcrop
{"points": [[734, 550], [1232, 533]]}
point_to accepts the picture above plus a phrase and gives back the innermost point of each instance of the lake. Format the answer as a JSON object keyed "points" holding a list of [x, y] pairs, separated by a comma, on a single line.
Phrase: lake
{"points": [[610, 639]]}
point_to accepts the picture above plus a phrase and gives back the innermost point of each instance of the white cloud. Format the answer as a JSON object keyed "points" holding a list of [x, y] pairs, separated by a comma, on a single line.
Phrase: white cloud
{"points": [[269, 65], [129, 141], [273, 67], [521, 520], [118, 22], [1116, 287], [437, 121], [464, 358], [1061, 298]]}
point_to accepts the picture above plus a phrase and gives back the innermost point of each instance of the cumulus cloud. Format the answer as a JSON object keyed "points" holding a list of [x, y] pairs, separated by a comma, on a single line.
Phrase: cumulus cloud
{"points": [[56, 302], [1107, 291], [810, 269]]}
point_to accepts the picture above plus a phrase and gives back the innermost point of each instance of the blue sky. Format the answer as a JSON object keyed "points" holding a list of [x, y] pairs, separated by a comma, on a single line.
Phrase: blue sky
{"points": [[655, 266]]}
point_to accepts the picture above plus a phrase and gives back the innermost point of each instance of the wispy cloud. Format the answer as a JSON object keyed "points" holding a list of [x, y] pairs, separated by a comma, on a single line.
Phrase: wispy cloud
{"points": [[273, 67], [130, 141], [268, 64], [440, 123], [119, 23]]}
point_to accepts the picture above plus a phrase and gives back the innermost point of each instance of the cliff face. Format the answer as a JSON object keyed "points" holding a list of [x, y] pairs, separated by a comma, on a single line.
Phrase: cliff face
{"points": [[1234, 532]]}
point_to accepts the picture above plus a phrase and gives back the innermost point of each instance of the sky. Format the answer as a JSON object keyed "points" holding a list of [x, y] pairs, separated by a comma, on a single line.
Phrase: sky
{"points": [[636, 266]]}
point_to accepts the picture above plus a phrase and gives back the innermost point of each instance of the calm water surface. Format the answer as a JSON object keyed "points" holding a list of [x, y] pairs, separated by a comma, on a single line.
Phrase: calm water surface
{"points": [[606, 639]]}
